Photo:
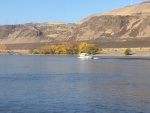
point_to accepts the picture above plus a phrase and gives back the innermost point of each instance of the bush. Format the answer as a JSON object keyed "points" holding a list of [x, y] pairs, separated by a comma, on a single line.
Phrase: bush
{"points": [[128, 51], [31, 51]]}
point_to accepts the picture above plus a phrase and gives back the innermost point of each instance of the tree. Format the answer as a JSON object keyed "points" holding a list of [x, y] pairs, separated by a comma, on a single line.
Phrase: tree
{"points": [[88, 48], [3, 47], [82, 47], [91, 48], [128, 51], [67, 48]]}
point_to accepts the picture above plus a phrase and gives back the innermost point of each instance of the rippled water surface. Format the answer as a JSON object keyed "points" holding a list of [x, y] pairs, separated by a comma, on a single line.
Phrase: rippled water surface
{"points": [[67, 84]]}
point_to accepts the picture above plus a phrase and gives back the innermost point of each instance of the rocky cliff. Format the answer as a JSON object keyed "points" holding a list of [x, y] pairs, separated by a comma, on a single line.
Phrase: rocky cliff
{"points": [[131, 23], [32, 33]]}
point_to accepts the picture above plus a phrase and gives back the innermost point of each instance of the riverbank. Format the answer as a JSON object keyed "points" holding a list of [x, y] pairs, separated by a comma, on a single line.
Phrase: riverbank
{"points": [[139, 53], [14, 52], [120, 52], [104, 52]]}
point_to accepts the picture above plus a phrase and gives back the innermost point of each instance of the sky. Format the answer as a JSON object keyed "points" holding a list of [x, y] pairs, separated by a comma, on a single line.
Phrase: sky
{"points": [[70, 11]]}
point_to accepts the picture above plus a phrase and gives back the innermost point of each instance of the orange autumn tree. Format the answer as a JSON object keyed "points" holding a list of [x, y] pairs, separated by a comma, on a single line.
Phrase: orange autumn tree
{"points": [[3, 47]]}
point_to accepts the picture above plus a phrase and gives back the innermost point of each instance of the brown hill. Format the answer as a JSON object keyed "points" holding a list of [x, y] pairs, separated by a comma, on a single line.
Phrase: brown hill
{"points": [[142, 8], [33, 33], [127, 24]]}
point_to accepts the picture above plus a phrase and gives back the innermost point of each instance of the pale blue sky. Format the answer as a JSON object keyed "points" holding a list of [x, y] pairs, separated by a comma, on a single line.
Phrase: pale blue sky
{"points": [[26, 11]]}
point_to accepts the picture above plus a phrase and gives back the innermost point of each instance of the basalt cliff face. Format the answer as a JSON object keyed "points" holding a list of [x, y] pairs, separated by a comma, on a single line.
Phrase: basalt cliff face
{"points": [[33, 33], [131, 23], [127, 23]]}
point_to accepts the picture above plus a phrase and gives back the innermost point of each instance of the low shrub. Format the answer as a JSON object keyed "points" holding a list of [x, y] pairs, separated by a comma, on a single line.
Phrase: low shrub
{"points": [[128, 51]]}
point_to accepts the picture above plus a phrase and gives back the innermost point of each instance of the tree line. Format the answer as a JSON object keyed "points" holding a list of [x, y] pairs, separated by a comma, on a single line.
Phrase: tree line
{"points": [[67, 48]]}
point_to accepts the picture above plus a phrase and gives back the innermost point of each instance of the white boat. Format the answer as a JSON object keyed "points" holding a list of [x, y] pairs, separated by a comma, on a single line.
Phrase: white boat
{"points": [[84, 55], [95, 58]]}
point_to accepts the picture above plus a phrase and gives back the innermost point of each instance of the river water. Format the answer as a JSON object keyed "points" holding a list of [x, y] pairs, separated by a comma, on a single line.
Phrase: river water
{"points": [[67, 84]]}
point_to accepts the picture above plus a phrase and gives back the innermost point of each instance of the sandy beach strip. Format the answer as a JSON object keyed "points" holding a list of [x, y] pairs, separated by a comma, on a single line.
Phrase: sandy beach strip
{"points": [[120, 52]]}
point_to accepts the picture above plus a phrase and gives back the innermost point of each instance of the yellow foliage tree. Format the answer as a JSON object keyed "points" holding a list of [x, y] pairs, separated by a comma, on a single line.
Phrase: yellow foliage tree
{"points": [[88, 48], [82, 47], [68, 48]]}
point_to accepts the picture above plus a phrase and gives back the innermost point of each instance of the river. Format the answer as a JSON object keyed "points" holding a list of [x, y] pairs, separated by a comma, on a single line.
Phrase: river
{"points": [[67, 84]]}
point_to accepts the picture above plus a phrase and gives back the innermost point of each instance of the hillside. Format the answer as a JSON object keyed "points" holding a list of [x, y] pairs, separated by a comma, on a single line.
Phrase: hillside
{"points": [[31, 33], [142, 8], [128, 24]]}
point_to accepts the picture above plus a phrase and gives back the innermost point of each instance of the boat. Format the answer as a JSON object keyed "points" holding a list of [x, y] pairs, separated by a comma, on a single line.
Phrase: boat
{"points": [[84, 55], [95, 58]]}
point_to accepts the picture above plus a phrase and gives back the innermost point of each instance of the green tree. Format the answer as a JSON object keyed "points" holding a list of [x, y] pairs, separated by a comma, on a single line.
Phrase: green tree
{"points": [[128, 51]]}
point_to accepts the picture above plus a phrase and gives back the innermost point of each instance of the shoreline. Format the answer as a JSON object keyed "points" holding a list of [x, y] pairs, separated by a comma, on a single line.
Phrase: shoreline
{"points": [[105, 52], [120, 52]]}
